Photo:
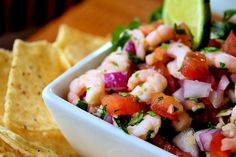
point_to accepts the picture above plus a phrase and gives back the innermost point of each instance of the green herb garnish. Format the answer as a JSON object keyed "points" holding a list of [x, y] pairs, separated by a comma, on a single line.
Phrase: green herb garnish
{"points": [[156, 15], [165, 46], [134, 58], [134, 24], [136, 119], [176, 108], [160, 98], [228, 14], [222, 65], [194, 99], [225, 112], [211, 126], [119, 37], [88, 88], [82, 105], [179, 30], [103, 112], [123, 94], [121, 125], [151, 113], [115, 64], [149, 134], [136, 75], [221, 30], [210, 49]]}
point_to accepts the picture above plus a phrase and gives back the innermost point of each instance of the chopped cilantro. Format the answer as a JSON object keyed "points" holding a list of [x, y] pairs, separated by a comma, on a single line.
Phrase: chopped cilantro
{"points": [[88, 88], [145, 89], [121, 125], [115, 64], [225, 112], [149, 134], [82, 105], [222, 65], [151, 113], [165, 45], [160, 98], [165, 119], [228, 14], [176, 108], [136, 75], [221, 30], [140, 85], [137, 98], [210, 49], [156, 15], [194, 99], [211, 126], [119, 37], [136, 119], [134, 58], [103, 112], [123, 94], [134, 24]]}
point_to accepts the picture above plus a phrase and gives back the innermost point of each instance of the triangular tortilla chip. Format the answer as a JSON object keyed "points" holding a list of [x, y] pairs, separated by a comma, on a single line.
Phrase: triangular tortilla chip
{"points": [[34, 65], [76, 44], [5, 64]]}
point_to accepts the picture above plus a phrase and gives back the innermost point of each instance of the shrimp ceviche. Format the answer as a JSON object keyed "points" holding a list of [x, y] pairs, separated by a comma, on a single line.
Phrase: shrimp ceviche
{"points": [[155, 86]]}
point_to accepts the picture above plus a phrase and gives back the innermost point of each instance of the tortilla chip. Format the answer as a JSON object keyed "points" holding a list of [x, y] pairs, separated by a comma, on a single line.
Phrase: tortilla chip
{"points": [[14, 145], [34, 65], [5, 64], [76, 44]]}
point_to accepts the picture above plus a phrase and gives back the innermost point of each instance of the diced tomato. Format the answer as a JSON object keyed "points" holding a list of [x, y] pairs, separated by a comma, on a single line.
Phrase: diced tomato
{"points": [[230, 44], [195, 67], [215, 146], [214, 43], [166, 106], [121, 105]]}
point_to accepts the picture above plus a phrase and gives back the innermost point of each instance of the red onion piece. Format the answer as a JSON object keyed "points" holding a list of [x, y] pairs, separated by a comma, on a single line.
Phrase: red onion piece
{"points": [[216, 98], [186, 142], [130, 47], [115, 81], [224, 82], [179, 94], [196, 89], [108, 118], [204, 137]]}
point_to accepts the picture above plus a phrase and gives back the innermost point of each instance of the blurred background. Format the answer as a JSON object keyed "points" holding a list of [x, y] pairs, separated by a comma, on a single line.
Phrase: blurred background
{"points": [[39, 19]]}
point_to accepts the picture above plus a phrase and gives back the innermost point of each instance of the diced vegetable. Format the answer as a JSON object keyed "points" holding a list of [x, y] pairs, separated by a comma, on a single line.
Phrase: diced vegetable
{"points": [[130, 47], [115, 81], [156, 15], [120, 105], [230, 44], [82, 105], [179, 94], [225, 112], [215, 146], [186, 142], [108, 118], [217, 98], [166, 106], [196, 89], [195, 67], [224, 82]]}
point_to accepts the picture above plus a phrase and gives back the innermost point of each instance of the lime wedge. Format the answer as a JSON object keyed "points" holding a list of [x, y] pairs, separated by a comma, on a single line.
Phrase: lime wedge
{"points": [[196, 14]]}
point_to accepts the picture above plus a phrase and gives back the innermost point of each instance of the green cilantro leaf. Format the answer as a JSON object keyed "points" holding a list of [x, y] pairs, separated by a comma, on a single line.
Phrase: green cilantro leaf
{"points": [[121, 125], [82, 105], [136, 119], [222, 65], [134, 24], [194, 99], [134, 58], [176, 108], [211, 126], [165, 46], [221, 30], [210, 49], [160, 98], [156, 15], [179, 30], [149, 134], [123, 94], [228, 14], [151, 113], [103, 112]]}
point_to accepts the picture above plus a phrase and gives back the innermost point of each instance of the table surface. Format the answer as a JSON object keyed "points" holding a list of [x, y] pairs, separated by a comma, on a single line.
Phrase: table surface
{"points": [[98, 17]]}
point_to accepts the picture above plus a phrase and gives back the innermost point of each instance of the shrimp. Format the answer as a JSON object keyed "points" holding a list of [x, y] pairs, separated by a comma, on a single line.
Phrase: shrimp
{"points": [[116, 62], [222, 60], [157, 55], [139, 41], [183, 122], [92, 83], [161, 34], [145, 83], [228, 144], [178, 51], [147, 128]]}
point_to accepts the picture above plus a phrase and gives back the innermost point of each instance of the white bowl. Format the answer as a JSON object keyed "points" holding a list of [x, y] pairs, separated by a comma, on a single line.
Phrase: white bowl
{"points": [[89, 135]]}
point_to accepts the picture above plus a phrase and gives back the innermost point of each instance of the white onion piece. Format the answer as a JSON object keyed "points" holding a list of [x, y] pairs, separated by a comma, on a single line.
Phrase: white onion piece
{"points": [[185, 140], [216, 98], [204, 137], [224, 82], [196, 89], [179, 94]]}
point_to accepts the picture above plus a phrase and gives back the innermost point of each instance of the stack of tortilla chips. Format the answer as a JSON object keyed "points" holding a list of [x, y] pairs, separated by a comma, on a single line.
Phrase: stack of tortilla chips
{"points": [[29, 129]]}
